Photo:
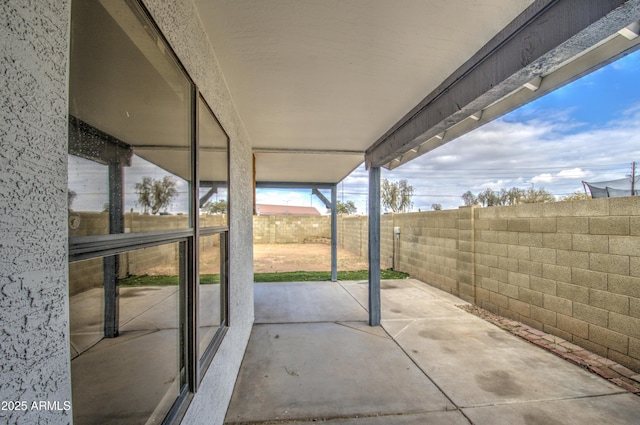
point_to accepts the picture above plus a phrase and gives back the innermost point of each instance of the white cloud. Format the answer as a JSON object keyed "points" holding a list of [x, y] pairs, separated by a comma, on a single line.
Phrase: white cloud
{"points": [[574, 173], [447, 159], [542, 178], [555, 153]]}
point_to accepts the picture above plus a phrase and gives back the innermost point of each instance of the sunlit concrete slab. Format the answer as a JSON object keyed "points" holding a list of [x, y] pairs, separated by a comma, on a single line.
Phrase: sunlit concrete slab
{"points": [[475, 363], [619, 409], [406, 299], [327, 370], [472, 361], [430, 418], [305, 302], [429, 363]]}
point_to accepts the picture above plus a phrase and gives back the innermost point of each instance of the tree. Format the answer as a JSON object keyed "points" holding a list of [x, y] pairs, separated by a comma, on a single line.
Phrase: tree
{"points": [[436, 207], [512, 196], [532, 196], [469, 198], [153, 195], [396, 196], [488, 198], [346, 208], [218, 207], [575, 196]]}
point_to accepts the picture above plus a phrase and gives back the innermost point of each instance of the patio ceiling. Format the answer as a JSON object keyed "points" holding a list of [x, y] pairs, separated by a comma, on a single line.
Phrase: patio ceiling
{"points": [[319, 83], [335, 75]]}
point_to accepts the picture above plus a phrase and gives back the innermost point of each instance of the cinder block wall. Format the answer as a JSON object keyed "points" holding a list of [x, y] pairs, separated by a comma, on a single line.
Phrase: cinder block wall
{"points": [[290, 228], [427, 247], [353, 234], [569, 268], [84, 275], [386, 242], [436, 247]]}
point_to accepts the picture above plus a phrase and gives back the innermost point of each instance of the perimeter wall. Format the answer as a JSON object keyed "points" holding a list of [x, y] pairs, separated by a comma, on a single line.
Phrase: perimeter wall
{"points": [[571, 269]]}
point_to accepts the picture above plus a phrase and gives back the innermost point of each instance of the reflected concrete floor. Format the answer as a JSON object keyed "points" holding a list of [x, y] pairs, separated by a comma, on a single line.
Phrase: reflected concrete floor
{"points": [[312, 357], [133, 378]]}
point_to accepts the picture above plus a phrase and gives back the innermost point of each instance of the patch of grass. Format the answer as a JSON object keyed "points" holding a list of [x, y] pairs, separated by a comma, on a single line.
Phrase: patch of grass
{"points": [[162, 280], [146, 280], [323, 276]]}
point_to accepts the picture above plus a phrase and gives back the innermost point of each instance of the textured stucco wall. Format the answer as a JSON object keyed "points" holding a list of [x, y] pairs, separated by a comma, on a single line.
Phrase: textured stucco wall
{"points": [[181, 25], [34, 346]]}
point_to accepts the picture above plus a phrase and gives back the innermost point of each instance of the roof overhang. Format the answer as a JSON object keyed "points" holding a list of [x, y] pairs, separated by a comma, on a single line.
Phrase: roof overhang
{"points": [[317, 82], [551, 44], [322, 85]]}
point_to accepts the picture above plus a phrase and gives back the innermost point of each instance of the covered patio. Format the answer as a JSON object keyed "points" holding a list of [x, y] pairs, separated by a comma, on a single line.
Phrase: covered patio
{"points": [[237, 95], [322, 86], [317, 87], [311, 357]]}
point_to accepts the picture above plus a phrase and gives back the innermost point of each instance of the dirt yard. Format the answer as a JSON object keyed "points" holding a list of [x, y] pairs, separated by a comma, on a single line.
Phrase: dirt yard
{"points": [[272, 258]]}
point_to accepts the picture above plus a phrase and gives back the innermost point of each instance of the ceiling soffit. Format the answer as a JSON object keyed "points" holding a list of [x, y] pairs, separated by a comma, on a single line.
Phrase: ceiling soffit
{"points": [[336, 75]]}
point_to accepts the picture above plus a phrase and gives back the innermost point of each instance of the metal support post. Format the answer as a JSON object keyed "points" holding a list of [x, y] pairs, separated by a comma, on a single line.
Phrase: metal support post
{"points": [[334, 234], [111, 265], [374, 246]]}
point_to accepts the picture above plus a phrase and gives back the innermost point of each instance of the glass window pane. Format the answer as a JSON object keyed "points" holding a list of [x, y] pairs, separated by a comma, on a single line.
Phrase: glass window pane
{"points": [[129, 113], [135, 375], [212, 152], [211, 293], [88, 197]]}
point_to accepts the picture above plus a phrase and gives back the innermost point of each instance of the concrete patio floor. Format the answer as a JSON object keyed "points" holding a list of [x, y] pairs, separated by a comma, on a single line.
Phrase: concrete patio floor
{"points": [[312, 357]]}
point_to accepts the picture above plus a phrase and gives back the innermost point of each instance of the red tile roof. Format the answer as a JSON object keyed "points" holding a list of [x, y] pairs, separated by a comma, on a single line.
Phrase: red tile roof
{"points": [[264, 209]]}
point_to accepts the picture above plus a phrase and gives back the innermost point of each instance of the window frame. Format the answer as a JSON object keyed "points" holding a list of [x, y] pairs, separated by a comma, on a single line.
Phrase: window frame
{"points": [[106, 245]]}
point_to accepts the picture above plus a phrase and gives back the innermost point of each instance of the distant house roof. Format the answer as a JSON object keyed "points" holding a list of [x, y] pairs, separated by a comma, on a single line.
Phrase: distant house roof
{"points": [[264, 209]]}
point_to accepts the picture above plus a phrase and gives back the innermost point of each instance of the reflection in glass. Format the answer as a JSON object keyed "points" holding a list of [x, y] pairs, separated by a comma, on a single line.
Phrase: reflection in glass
{"points": [[210, 312], [135, 376], [212, 155], [86, 304], [144, 180], [88, 196], [129, 114]]}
